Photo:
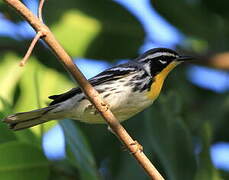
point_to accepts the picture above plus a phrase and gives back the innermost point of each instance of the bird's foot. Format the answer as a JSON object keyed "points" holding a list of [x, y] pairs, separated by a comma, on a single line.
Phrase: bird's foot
{"points": [[138, 147], [106, 106], [91, 109]]}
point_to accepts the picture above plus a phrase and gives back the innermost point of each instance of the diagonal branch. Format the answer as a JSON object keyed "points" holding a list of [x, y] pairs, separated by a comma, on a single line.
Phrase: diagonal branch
{"points": [[89, 91]]}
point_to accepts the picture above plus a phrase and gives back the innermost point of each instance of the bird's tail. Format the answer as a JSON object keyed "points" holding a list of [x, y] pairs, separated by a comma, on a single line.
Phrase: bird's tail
{"points": [[28, 119]]}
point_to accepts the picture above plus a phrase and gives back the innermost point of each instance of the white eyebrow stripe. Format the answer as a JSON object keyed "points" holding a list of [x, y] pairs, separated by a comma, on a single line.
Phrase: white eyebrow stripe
{"points": [[121, 69], [163, 62], [158, 54]]}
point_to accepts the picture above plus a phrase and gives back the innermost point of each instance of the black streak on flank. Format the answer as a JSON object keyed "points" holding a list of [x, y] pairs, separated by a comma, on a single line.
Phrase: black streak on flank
{"points": [[106, 95], [100, 90], [113, 89], [128, 84], [147, 86]]}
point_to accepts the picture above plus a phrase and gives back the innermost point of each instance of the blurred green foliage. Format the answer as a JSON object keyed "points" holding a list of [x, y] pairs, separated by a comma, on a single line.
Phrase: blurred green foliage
{"points": [[202, 20], [176, 132]]}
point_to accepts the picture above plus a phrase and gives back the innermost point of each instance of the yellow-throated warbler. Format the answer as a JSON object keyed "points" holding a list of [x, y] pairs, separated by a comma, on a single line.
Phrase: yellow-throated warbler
{"points": [[127, 89]]}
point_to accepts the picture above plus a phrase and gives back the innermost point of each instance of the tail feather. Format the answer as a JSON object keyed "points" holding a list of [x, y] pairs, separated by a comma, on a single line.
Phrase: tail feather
{"points": [[24, 120]]}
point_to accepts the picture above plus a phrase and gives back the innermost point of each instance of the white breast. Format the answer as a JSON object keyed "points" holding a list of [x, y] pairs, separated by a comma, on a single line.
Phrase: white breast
{"points": [[123, 102]]}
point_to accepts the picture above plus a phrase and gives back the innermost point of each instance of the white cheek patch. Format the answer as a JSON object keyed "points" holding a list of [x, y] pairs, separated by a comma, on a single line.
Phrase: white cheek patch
{"points": [[162, 62]]}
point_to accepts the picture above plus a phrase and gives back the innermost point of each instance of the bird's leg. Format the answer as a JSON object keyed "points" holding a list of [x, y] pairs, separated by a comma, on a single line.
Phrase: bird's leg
{"points": [[139, 147], [94, 111], [106, 106]]}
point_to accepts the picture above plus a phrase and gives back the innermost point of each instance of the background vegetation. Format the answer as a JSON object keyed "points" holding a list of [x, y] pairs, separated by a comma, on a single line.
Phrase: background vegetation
{"points": [[176, 132]]}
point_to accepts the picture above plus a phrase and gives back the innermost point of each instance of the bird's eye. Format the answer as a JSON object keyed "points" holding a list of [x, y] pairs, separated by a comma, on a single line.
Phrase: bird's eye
{"points": [[162, 61]]}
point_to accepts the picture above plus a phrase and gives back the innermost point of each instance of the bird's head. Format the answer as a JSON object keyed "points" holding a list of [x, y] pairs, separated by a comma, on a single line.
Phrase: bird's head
{"points": [[161, 60]]}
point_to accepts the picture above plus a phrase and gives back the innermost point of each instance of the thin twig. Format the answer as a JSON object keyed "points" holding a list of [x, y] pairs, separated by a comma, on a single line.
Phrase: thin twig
{"points": [[40, 7], [36, 38], [31, 47], [89, 91]]}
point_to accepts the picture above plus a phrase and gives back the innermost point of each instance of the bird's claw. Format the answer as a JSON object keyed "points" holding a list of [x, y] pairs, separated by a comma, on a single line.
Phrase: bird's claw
{"points": [[106, 106], [138, 148]]}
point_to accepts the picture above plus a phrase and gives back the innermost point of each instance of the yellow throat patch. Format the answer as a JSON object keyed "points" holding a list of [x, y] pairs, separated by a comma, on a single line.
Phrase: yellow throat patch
{"points": [[155, 88]]}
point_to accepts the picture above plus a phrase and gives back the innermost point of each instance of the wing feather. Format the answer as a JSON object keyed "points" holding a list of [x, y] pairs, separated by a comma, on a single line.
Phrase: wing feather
{"points": [[114, 73]]}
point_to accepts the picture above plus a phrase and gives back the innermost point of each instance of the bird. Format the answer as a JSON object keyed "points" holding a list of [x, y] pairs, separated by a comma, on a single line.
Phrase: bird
{"points": [[127, 89]]}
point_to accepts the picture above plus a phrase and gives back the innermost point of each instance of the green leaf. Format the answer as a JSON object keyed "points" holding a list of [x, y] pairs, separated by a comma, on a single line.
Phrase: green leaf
{"points": [[10, 74], [76, 31], [27, 136], [22, 161], [62, 170], [6, 108], [204, 22], [78, 151], [108, 159], [34, 87], [170, 138], [5, 134], [198, 16], [206, 169], [36, 84], [94, 29]]}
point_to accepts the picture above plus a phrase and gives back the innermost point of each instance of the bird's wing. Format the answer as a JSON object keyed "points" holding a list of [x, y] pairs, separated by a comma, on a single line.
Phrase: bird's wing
{"points": [[65, 96], [114, 73]]}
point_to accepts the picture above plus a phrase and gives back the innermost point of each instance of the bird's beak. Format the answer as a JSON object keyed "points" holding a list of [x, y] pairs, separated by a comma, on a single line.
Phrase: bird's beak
{"points": [[184, 58]]}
